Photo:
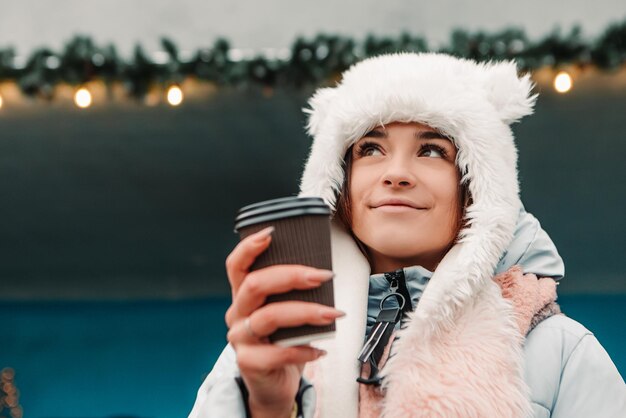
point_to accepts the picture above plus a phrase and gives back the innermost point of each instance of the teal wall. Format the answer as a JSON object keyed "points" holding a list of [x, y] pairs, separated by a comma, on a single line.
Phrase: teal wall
{"points": [[126, 201], [147, 359]]}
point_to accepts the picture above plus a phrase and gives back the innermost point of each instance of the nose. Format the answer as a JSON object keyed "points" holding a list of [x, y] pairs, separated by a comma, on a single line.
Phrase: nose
{"points": [[398, 175]]}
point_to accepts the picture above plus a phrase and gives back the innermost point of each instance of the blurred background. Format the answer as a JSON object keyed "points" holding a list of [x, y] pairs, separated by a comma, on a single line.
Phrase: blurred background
{"points": [[131, 132]]}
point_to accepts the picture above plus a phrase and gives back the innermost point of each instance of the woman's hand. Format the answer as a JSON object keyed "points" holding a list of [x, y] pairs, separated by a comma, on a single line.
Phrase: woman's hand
{"points": [[271, 373]]}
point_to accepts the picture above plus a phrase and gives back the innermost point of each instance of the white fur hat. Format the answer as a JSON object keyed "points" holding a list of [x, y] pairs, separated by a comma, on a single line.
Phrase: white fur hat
{"points": [[472, 103]]}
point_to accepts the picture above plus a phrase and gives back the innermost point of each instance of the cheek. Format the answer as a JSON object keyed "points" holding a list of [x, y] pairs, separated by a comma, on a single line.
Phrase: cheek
{"points": [[358, 188], [356, 210], [448, 196]]}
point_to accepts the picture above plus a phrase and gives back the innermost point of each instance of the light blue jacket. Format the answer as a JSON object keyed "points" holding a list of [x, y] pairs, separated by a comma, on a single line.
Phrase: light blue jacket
{"points": [[569, 373]]}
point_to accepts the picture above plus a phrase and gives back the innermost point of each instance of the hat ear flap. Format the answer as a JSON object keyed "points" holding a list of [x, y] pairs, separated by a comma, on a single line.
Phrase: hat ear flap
{"points": [[320, 104], [510, 95]]}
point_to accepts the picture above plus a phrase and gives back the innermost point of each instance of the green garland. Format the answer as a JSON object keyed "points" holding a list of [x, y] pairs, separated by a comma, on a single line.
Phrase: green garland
{"points": [[312, 62]]}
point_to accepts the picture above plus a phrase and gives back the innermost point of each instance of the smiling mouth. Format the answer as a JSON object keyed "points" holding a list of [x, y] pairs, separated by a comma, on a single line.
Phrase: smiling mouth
{"points": [[396, 208]]}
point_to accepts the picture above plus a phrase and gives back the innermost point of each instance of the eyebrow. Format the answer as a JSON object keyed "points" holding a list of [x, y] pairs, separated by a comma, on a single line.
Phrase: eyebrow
{"points": [[423, 135]]}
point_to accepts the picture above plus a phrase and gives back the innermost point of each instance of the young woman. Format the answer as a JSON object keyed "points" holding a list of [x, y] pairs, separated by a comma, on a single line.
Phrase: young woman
{"points": [[415, 154]]}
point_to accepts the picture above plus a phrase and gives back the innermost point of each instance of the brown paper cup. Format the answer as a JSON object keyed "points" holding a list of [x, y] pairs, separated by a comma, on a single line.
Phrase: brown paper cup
{"points": [[301, 236]]}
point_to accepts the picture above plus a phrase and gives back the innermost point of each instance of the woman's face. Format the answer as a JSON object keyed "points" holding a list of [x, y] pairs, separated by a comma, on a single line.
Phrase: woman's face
{"points": [[405, 196]]}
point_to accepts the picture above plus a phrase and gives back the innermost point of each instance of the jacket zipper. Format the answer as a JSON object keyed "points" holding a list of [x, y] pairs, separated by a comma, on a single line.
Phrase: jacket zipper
{"points": [[386, 320], [397, 284]]}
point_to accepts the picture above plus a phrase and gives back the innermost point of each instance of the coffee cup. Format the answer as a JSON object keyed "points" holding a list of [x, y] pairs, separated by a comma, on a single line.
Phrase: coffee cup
{"points": [[301, 236]]}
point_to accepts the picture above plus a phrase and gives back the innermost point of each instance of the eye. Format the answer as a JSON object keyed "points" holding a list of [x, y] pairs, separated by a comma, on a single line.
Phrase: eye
{"points": [[432, 150], [368, 149]]}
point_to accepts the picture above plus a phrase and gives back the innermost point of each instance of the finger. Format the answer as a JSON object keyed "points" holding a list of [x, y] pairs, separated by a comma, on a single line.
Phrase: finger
{"points": [[243, 255], [266, 320], [243, 333], [263, 359], [291, 314], [259, 284]]}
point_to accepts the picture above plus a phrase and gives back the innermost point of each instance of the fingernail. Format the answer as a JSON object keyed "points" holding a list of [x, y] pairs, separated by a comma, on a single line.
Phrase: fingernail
{"points": [[331, 313], [320, 353], [319, 276], [264, 233]]}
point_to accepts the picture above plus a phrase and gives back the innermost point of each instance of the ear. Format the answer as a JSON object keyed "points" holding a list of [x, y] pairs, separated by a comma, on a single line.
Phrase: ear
{"points": [[510, 95], [320, 107]]}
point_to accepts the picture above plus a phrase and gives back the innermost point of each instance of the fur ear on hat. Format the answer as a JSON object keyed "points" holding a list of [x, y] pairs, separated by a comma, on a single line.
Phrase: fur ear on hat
{"points": [[510, 96]]}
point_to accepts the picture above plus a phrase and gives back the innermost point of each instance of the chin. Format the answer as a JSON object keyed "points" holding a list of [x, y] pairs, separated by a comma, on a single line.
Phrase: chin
{"points": [[401, 243], [399, 252], [398, 243]]}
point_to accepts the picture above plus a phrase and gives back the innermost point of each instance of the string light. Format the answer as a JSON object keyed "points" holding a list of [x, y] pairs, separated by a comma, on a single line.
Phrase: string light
{"points": [[82, 98], [152, 98], [563, 82], [174, 95], [9, 394]]}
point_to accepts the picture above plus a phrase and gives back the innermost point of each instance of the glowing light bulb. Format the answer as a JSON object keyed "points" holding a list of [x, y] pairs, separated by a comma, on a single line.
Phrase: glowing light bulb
{"points": [[82, 98], [0, 102], [563, 82], [174, 95]]}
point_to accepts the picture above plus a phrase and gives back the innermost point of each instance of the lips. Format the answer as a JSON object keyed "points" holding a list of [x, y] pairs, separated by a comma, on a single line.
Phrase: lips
{"points": [[396, 202]]}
